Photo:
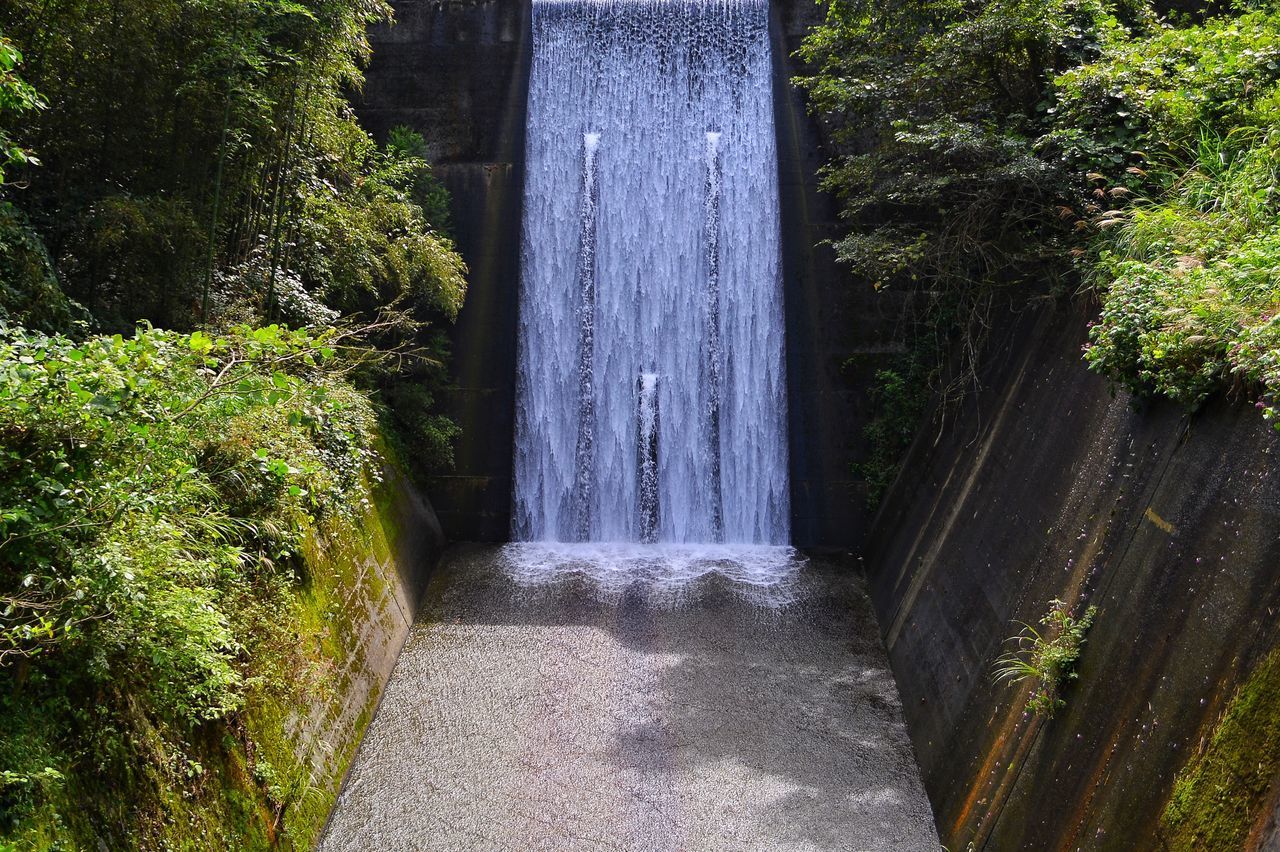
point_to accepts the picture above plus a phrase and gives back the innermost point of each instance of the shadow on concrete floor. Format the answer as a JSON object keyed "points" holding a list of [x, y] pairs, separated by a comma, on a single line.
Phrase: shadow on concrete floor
{"points": [[557, 717]]}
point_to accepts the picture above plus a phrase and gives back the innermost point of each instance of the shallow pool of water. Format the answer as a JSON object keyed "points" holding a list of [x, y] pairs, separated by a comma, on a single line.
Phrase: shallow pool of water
{"points": [[545, 701]]}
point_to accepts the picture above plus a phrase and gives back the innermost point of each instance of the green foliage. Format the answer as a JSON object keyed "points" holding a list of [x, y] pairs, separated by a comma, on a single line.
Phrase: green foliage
{"points": [[203, 167], [938, 107], [430, 435], [29, 292], [1187, 275], [154, 491], [899, 397], [202, 163], [999, 143], [1046, 661], [163, 603], [426, 191], [371, 246], [939, 111], [1220, 791], [17, 97], [1150, 99], [141, 253]]}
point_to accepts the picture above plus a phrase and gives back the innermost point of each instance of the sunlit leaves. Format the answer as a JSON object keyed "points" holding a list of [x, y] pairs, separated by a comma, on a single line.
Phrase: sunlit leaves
{"points": [[17, 98], [113, 523]]}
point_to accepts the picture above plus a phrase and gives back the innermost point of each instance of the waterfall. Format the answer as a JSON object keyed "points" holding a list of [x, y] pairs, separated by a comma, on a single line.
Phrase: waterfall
{"points": [[714, 355], [651, 395]]}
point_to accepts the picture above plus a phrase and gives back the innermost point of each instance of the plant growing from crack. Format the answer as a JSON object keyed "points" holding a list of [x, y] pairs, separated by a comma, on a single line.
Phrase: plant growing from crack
{"points": [[1047, 660]]}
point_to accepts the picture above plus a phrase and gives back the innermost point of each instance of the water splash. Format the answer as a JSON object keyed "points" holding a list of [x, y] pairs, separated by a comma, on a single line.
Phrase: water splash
{"points": [[767, 575], [651, 247]]}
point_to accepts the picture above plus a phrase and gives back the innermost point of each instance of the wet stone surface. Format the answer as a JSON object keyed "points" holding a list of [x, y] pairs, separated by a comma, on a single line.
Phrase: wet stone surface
{"points": [[581, 714]]}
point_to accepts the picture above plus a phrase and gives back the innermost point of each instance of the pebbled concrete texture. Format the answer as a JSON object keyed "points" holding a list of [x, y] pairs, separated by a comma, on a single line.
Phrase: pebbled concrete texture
{"points": [[556, 718]]}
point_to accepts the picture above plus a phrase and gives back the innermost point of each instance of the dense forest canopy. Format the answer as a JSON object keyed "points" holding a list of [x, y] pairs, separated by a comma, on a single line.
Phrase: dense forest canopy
{"points": [[994, 150], [221, 306]]}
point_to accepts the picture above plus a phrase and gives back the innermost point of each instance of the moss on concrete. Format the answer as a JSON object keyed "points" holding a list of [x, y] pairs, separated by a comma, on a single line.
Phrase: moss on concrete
{"points": [[1219, 794], [304, 723]]}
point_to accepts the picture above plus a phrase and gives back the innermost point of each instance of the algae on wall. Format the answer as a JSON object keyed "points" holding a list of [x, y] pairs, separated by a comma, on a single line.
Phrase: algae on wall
{"points": [[1219, 796], [284, 759], [306, 716]]}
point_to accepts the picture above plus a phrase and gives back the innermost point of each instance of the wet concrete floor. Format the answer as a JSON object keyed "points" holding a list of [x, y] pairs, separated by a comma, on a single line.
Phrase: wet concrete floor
{"points": [[714, 717]]}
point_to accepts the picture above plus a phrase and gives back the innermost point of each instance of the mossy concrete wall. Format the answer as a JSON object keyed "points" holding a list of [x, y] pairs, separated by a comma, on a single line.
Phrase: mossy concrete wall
{"points": [[365, 576], [1049, 486], [266, 776], [458, 72]]}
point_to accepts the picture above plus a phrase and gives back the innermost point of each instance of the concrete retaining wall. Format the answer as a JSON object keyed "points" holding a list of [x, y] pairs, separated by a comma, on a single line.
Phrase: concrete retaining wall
{"points": [[368, 573], [1051, 487]]}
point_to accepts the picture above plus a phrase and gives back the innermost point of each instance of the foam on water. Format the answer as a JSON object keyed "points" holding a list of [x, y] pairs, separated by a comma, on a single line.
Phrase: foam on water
{"points": [[765, 574]]}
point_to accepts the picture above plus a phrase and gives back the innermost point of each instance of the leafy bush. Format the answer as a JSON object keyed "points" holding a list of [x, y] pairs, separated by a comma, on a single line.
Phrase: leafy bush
{"points": [[1001, 145], [899, 397], [410, 147], [30, 294], [189, 145], [377, 253], [132, 257], [161, 494], [1150, 99], [1187, 274], [1046, 661], [937, 108], [153, 494], [939, 111], [16, 97]]}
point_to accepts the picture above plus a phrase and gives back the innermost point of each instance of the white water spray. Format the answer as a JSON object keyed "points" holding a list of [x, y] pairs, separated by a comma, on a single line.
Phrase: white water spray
{"points": [[651, 401]]}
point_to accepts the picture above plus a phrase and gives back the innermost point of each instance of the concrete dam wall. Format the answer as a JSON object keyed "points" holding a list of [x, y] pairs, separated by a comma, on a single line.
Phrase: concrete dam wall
{"points": [[1051, 487], [459, 73]]}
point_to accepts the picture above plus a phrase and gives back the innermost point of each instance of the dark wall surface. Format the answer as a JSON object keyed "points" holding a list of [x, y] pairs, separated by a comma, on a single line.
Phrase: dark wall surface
{"points": [[840, 331], [1049, 487], [458, 72]]}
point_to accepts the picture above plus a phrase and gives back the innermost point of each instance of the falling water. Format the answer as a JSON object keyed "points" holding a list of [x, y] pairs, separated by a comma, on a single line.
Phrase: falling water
{"points": [[711, 379], [584, 459], [651, 395]]}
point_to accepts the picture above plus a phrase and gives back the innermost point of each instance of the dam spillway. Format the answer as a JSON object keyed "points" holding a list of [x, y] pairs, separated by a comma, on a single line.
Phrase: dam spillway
{"points": [[651, 389], [649, 665]]}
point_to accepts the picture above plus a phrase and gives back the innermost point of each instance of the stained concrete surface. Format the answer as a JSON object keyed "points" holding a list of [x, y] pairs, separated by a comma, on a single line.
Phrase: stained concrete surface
{"points": [[558, 717], [1047, 485]]}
